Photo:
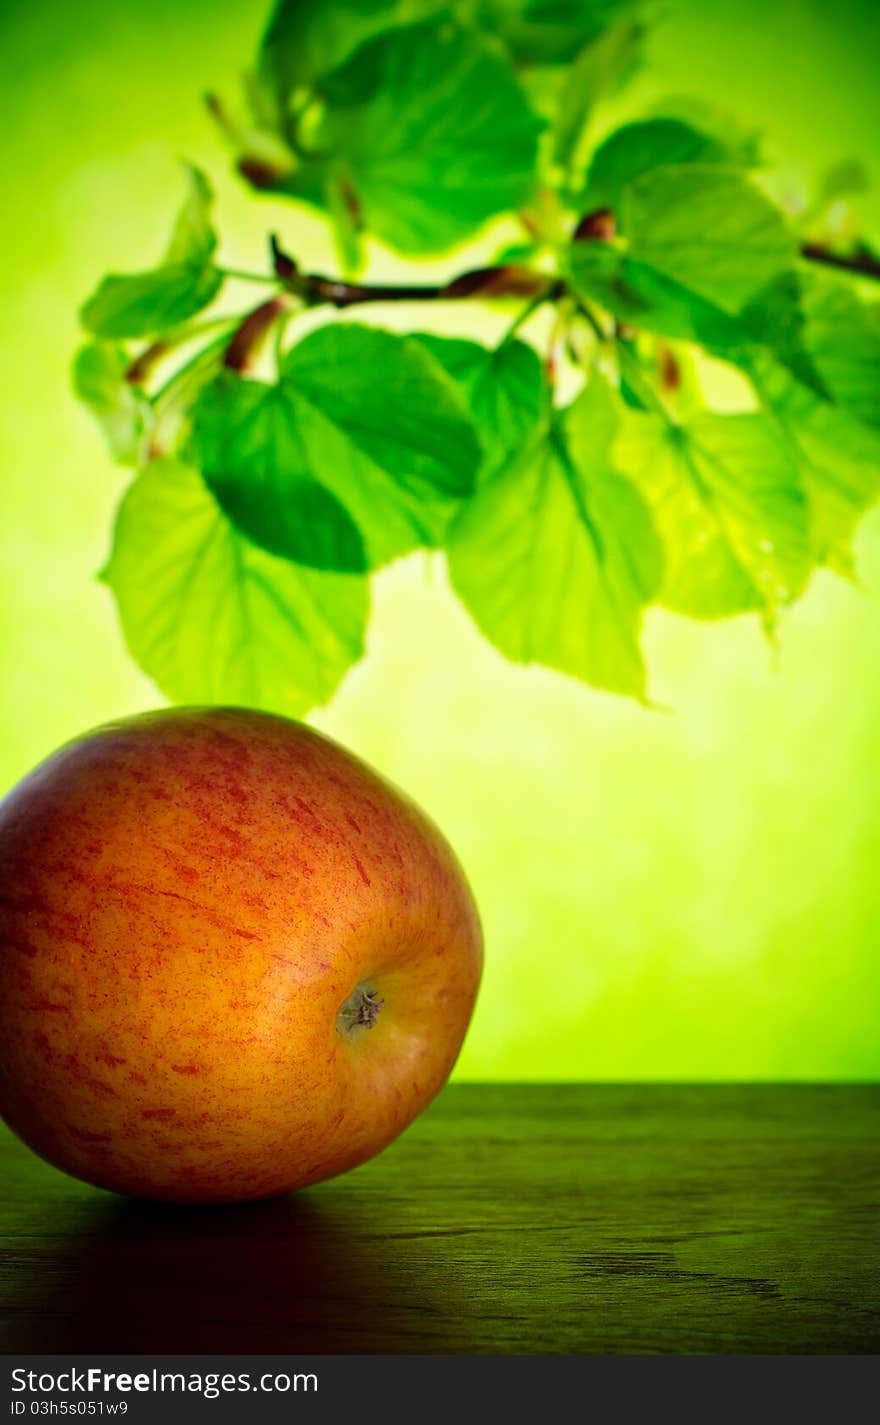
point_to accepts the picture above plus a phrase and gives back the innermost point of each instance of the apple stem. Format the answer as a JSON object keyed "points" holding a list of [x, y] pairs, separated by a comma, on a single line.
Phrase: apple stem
{"points": [[360, 1010]]}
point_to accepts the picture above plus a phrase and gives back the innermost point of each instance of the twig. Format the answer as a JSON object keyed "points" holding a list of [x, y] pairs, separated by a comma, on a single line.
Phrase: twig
{"points": [[861, 263], [509, 280]]}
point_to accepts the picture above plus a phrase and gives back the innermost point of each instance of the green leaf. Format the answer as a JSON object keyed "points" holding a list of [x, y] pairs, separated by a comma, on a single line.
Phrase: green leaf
{"points": [[346, 223], [505, 388], [552, 31], [839, 460], [252, 445], [211, 618], [708, 229], [841, 181], [124, 415], [360, 452], [306, 39], [601, 67], [636, 293], [775, 319], [193, 240], [639, 148], [742, 143], [144, 303], [555, 556], [698, 277], [517, 254], [431, 133], [400, 447], [843, 339], [149, 302], [727, 500]]}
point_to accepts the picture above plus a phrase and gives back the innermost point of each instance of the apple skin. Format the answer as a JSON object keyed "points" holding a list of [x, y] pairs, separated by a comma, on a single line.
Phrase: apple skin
{"points": [[188, 899]]}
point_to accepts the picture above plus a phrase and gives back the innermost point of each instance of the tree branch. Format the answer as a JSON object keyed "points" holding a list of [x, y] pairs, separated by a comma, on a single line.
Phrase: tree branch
{"points": [[862, 262], [509, 280]]}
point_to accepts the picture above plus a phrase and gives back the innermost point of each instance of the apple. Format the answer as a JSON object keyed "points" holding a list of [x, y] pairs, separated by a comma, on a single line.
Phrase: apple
{"points": [[233, 960]]}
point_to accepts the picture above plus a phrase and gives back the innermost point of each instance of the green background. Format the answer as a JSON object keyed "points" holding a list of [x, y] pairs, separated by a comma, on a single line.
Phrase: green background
{"points": [[687, 893]]}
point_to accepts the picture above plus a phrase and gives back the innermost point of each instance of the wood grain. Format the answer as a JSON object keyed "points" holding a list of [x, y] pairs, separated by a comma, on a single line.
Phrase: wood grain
{"points": [[539, 1218]]}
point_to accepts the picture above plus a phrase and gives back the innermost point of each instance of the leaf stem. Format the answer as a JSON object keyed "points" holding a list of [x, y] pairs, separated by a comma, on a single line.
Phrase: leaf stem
{"points": [[630, 370], [239, 275], [557, 340], [278, 342], [519, 321], [592, 320], [179, 376]]}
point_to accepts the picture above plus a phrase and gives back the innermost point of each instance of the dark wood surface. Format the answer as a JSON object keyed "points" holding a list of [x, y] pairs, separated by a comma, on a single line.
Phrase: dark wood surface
{"points": [[545, 1218]]}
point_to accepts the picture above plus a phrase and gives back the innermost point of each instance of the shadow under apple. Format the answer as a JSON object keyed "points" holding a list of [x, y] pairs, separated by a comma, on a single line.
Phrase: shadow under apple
{"points": [[296, 1274]]}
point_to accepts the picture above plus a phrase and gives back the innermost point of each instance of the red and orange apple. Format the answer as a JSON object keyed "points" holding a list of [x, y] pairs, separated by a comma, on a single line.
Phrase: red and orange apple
{"points": [[233, 960]]}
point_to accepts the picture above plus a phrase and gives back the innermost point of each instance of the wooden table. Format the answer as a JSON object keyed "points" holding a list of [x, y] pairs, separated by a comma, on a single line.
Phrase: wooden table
{"points": [[540, 1218]]}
